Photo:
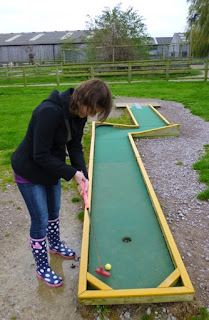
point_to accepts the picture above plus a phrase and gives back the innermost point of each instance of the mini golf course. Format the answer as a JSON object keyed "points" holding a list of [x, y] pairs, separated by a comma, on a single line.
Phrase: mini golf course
{"points": [[130, 228]]}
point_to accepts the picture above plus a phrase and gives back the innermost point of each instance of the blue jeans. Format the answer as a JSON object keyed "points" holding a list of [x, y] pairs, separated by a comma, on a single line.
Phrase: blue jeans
{"points": [[43, 203]]}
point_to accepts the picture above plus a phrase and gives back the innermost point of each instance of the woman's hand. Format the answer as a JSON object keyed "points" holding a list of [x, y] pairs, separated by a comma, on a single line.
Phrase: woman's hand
{"points": [[79, 177], [86, 185]]}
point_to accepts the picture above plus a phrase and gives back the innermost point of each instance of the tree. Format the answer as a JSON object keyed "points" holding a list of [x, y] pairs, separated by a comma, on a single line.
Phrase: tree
{"points": [[198, 29], [116, 35]]}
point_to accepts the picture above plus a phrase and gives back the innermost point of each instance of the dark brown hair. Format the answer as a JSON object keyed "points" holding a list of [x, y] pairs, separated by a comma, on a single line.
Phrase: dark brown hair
{"points": [[94, 94]]}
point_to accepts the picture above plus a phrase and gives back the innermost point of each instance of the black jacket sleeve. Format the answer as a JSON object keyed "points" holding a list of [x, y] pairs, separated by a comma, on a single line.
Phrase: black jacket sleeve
{"points": [[75, 150], [46, 121]]}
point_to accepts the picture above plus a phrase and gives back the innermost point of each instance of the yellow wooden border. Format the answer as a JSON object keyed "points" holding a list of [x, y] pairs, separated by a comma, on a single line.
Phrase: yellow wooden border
{"points": [[169, 130], [171, 279], [97, 283], [125, 126], [82, 284], [161, 218], [92, 297], [159, 115], [164, 292], [136, 292], [132, 116]]}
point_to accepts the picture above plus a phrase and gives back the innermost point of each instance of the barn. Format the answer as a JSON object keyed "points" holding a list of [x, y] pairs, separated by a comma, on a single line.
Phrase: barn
{"points": [[33, 47], [68, 46]]}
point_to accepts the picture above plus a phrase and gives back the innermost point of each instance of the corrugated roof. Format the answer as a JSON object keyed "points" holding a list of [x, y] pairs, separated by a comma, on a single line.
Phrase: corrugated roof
{"points": [[28, 38], [12, 38], [56, 37], [161, 40], [180, 36], [152, 41]]}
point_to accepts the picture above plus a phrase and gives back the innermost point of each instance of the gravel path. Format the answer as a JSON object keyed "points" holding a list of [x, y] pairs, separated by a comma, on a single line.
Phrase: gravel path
{"points": [[177, 186]]}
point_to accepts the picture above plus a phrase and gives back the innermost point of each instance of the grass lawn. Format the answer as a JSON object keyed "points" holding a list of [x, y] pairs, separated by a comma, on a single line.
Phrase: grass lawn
{"points": [[16, 105], [194, 95]]}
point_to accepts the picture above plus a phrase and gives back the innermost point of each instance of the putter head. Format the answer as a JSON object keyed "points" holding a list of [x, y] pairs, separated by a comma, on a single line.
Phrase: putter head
{"points": [[102, 272]]}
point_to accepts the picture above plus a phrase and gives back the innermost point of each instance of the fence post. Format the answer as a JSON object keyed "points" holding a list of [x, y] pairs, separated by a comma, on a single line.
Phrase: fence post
{"points": [[167, 70], [92, 72], [24, 77], [206, 70], [113, 54], [57, 76], [64, 56], [163, 52], [36, 66], [11, 72], [129, 72]]}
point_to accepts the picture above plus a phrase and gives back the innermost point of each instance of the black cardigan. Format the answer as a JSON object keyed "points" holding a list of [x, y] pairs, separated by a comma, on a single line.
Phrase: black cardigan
{"points": [[40, 158]]}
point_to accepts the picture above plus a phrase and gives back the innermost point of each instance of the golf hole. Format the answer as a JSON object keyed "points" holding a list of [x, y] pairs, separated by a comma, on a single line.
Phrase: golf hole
{"points": [[127, 239]]}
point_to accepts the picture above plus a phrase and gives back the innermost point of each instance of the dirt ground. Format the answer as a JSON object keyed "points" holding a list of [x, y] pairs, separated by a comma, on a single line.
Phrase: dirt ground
{"points": [[24, 297]]}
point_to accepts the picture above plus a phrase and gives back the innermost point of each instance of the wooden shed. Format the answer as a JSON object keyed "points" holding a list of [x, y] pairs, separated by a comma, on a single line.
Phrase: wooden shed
{"points": [[36, 46]]}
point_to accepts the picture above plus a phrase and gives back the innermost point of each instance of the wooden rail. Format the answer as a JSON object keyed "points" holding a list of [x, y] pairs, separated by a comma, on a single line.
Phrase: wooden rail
{"points": [[129, 71]]}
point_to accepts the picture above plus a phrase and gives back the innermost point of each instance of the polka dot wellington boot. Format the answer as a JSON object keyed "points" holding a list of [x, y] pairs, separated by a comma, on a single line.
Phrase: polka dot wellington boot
{"points": [[43, 270], [55, 244]]}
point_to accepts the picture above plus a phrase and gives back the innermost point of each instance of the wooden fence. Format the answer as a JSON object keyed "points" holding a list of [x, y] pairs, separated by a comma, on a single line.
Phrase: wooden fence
{"points": [[35, 73], [128, 69], [121, 71]]}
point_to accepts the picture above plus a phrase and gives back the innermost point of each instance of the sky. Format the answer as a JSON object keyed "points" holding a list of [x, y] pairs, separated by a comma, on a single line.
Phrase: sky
{"points": [[162, 17]]}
